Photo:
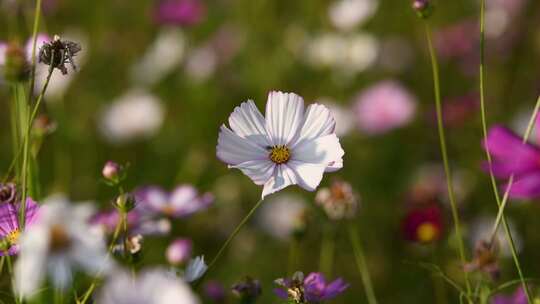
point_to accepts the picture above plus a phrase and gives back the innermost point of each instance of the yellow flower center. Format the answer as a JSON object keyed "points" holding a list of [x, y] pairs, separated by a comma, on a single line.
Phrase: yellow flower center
{"points": [[59, 238], [279, 154], [13, 237], [168, 210], [427, 232]]}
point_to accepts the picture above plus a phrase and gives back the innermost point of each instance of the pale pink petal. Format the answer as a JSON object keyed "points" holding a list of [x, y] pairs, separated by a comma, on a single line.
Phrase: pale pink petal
{"points": [[309, 176], [233, 149], [318, 122], [284, 114], [247, 122], [282, 178], [259, 171], [324, 150]]}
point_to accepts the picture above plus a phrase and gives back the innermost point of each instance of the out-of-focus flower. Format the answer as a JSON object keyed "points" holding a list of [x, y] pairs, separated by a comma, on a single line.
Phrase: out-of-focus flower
{"points": [[485, 259], [518, 297], [179, 251], [248, 290], [59, 242], [41, 40], [15, 67], [500, 14], [154, 286], [482, 227], [136, 114], [458, 41], [348, 14], [201, 63], [183, 201], [137, 223], [125, 202], [342, 115], [423, 224], [43, 125], [214, 291], [457, 110], [180, 12], [162, 57], [8, 193], [10, 229], [195, 269], [512, 157], [383, 107], [290, 147], [131, 245], [311, 289], [424, 8], [283, 216], [338, 201], [3, 50], [111, 171], [349, 54]]}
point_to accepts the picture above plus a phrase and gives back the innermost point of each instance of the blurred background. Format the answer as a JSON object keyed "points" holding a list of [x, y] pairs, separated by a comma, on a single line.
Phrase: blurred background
{"points": [[156, 79]]}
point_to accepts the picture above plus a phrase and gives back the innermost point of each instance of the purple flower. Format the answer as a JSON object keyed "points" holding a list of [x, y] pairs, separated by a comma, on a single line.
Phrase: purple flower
{"points": [[137, 223], [518, 297], [9, 224], [214, 291], [181, 202], [312, 289], [512, 157], [179, 251], [180, 12]]}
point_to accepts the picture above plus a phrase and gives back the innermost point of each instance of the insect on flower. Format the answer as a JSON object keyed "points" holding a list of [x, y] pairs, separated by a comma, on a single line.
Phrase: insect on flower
{"points": [[57, 53]]}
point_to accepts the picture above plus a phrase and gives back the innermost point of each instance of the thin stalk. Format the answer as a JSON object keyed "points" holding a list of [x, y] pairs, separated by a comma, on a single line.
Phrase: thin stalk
{"points": [[35, 28], [483, 115], [444, 152], [361, 264], [326, 261], [26, 144], [233, 235], [293, 256]]}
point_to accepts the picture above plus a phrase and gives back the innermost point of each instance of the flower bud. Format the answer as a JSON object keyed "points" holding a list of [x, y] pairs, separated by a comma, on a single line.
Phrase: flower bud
{"points": [[423, 8], [179, 251], [16, 66], [112, 172], [248, 290], [125, 202], [8, 193]]}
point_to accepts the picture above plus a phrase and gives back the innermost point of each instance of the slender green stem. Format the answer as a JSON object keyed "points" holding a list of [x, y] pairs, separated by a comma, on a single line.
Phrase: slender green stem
{"points": [[26, 145], [326, 261], [444, 152], [500, 204], [233, 235], [361, 264], [35, 28], [293, 256]]}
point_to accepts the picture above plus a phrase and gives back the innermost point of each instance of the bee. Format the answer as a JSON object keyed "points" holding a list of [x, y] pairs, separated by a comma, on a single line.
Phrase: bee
{"points": [[57, 53]]}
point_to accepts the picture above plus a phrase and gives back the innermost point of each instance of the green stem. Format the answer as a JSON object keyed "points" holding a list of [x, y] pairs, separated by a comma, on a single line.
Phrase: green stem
{"points": [[361, 264], [326, 261], [444, 152], [233, 235], [501, 205], [26, 144], [35, 28], [293, 257]]}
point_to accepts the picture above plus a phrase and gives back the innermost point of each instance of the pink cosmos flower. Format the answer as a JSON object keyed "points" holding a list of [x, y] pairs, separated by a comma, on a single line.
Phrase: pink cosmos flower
{"points": [[9, 224]]}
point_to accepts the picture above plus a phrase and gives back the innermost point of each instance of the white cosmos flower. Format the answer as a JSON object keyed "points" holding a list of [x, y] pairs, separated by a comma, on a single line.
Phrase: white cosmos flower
{"points": [[154, 286], [290, 147], [60, 242]]}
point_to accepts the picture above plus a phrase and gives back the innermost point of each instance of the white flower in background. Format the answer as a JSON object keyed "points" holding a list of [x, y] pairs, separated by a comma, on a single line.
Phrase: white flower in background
{"points": [[41, 39], [343, 116], [59, 243], [162, 57], [201, 63], [290, 147], [348, 14], [282, 215], [59, 84], [195, 269], [136, 114], [481, 229], [349, 54], [3, 50], [154, 286]]}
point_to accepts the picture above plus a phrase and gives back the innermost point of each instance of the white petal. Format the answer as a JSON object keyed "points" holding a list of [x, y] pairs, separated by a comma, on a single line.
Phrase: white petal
{"points": [[233, 149], [59, 268], [247, 122], [259, 171], [309, 175], [284, 114], [334, 166], [324, 150], [282, 178], [183, 195], [318, 122]]}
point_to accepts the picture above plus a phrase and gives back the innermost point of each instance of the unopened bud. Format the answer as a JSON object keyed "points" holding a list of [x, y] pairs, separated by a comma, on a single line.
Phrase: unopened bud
{"points": [[112, 172], [125, 202], [423, 8], [16, 66]]}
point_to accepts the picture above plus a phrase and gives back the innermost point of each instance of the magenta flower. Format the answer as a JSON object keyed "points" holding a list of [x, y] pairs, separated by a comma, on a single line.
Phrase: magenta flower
{"points": [[312, 289], [9, 224], [423, 225], [179, 251], [181, 202], [384, 107], [518, 297], [180, 12], [512, 157], [137, 223]]}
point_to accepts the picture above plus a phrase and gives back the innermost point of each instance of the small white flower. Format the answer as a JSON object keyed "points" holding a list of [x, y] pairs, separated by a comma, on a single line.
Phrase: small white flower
{"points": [[282, 215], [482, 227], [58, 243], [154, 286], [136, 114], [348, 14], [343, 116], [3, 50], [290, 147], [195, 269]]}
